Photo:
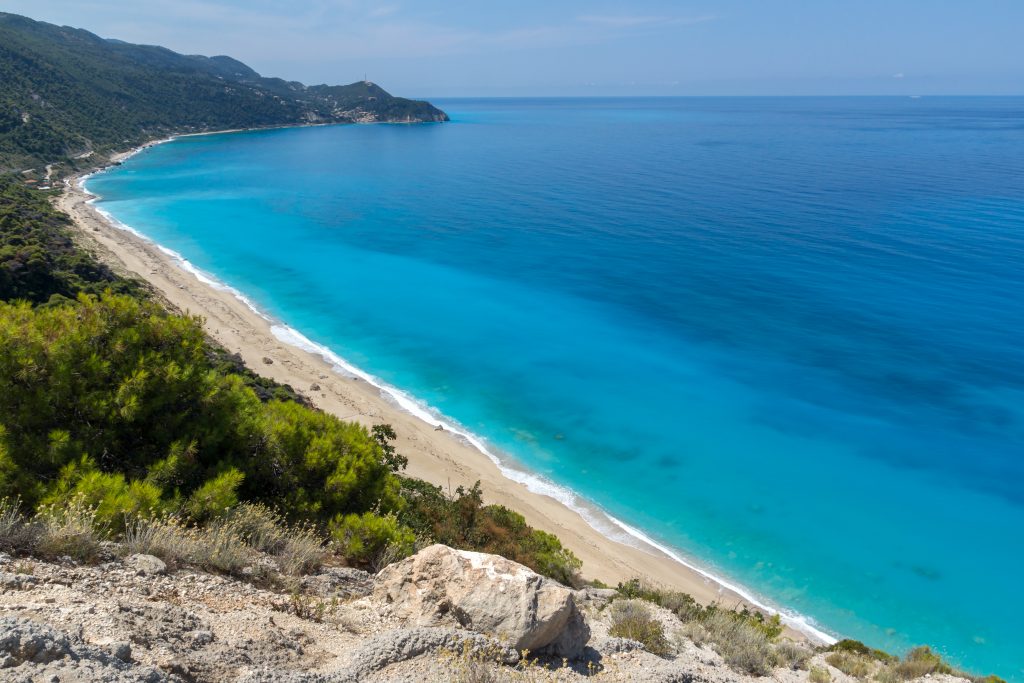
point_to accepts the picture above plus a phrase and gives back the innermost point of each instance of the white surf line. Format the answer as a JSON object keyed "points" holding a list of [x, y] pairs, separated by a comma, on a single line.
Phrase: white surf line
{"points": [[534, 483]]}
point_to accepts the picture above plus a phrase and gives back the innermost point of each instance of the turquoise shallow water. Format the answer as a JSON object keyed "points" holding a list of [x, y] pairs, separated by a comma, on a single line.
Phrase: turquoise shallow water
{"points": [[779, 335]]}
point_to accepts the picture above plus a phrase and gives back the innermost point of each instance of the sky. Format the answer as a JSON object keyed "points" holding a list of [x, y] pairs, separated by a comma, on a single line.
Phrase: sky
{"points": [[444, 48]]}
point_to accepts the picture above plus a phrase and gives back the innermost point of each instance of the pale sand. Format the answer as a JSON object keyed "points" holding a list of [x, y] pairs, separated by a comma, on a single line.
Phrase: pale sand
{"points": [[436, 456]]}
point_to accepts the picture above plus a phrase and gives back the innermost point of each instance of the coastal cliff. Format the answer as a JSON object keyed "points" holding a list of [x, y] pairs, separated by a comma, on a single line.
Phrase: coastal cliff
{"points": [[68, 95]]}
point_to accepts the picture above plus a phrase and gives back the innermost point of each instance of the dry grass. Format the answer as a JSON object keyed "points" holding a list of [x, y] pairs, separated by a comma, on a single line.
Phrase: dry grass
{"points": [[819, 675], [919, 662], [166, 538], [16, 533], [302, 552], [221, 547], [70, 530], [792, 655], [484, 665], [851, 664], [299, 550], [216, 547], [261, 527], [229, 544]]}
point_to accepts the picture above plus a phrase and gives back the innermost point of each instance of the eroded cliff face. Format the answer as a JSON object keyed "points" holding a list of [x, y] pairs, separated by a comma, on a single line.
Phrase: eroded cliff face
{"points": [[443, 615]]}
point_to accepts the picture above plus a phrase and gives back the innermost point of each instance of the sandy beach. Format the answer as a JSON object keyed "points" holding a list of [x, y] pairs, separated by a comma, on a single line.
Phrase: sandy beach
{"points": [[437, 456]]}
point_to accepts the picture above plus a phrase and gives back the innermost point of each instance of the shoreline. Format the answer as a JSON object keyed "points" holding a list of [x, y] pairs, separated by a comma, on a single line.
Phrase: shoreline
{"points": [[439, 451]]}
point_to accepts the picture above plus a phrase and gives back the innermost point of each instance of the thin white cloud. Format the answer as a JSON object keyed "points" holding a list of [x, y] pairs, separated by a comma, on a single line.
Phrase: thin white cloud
{"points": [[621, 21], [631, 20], [383, 11]]}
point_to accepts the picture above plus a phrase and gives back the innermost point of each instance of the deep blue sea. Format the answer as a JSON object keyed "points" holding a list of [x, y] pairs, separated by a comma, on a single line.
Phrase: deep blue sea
{"points": [[782, 336]]}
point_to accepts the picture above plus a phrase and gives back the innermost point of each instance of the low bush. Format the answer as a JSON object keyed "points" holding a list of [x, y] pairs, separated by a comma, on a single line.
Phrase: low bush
{"points": [[819, 675], [743, 638], [919, 662], [792, 655], [851, 664], [633, 619], [261, 527], [221, 547], [369, 538], [486, 664], [228, 544], [743, 645], [858, 648]]}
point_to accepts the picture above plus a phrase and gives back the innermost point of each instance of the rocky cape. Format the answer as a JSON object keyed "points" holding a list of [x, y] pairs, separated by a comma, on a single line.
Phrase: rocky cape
{"points": [[67, 94]]}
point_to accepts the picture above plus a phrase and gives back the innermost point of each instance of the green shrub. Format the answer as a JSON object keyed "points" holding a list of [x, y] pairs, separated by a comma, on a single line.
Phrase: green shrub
{"points": [[122, 382], [365, 539], [633, 619], [320, 467], [743, 645], [858, 648], [113, 499], [216, 496]]}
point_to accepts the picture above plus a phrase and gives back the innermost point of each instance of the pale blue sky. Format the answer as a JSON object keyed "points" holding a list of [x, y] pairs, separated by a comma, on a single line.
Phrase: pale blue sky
{"points": [[602, 47]]}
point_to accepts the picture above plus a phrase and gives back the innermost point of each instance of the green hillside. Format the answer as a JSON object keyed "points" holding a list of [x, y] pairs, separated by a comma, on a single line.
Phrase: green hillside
{"points": [[66, 93]]}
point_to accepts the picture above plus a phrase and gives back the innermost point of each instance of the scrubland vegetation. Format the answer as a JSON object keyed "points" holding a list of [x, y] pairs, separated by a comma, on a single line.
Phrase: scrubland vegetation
{"points": [[122, 418], [754, 644]]}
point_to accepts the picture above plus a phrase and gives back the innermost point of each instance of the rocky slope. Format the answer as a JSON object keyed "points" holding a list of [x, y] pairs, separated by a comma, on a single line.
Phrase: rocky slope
{"points": [[442, 615]]}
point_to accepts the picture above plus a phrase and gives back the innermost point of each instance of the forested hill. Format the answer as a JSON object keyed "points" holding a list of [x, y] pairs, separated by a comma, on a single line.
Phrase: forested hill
{"points": [[65, 93]]}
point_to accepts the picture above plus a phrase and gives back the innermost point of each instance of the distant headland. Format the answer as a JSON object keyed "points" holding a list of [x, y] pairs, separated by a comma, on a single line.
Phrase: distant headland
{"points": [[69, 95]]}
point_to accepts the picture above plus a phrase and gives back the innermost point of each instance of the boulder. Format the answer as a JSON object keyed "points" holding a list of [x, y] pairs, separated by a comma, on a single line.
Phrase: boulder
{"points": [[146, 564], [486, 594]]}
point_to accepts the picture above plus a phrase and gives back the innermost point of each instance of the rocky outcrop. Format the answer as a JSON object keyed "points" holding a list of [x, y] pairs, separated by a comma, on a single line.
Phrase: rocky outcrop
{"points": [[440, 586], [30, 651], [116, 622]]}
